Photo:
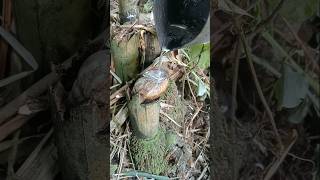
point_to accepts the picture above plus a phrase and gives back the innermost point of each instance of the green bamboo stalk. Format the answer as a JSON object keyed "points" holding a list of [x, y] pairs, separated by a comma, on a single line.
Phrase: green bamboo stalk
{"points": [[128, 11], [125, 54], [144, 117]]}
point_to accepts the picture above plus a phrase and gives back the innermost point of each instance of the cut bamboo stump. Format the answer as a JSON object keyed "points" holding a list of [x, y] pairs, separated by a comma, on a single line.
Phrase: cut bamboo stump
{"points": [[125, 53], [82, 153], [149, 143], [144, 107], [80, 122], [144, 117]]}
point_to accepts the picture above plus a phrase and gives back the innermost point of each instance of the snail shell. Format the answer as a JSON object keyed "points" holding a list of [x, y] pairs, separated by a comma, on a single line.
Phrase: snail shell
{"points": [[152, 84]]}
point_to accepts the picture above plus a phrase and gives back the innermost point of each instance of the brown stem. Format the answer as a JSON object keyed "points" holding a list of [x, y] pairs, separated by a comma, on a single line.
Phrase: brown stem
{"points": [[260, 93], [262, 24]]}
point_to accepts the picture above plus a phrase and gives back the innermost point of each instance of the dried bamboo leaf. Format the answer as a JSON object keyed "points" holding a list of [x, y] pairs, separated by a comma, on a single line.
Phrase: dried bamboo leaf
{"points": [[119, 118], [43, 167], [14, 78], [41, 163], [24, 53]]}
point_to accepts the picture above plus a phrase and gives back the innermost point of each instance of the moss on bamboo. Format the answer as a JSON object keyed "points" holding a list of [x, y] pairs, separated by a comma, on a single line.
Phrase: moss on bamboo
{"points": [[149, 155]]}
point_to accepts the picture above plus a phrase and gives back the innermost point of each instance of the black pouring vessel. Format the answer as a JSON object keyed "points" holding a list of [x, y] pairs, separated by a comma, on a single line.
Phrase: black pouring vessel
{"points": [[181, 23]]}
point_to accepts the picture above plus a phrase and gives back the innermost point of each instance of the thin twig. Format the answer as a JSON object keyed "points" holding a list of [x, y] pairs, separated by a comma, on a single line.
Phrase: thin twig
{"points": [[234, 100], [167, 116], [303, 46], [259, 28], [194, 97], [278, 162], [260, 93], [303, 159], [194, 116], [203, 173]]}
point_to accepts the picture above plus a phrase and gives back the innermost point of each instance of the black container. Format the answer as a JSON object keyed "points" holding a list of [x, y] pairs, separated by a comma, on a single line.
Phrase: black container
{"points": [[181, 23]]}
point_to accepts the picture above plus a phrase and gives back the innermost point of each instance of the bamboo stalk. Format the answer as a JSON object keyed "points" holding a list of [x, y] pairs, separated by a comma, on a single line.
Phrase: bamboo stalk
{"points": [[144, 117], [125, 53], [144, 107], [129, 11], [151, 49]]}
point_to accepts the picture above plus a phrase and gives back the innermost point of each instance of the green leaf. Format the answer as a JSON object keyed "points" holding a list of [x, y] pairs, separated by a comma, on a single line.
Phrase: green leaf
{"points": [[291, 88], [148, 6], [200, 55], [113, 168], [281, 53], [201, 88]]}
